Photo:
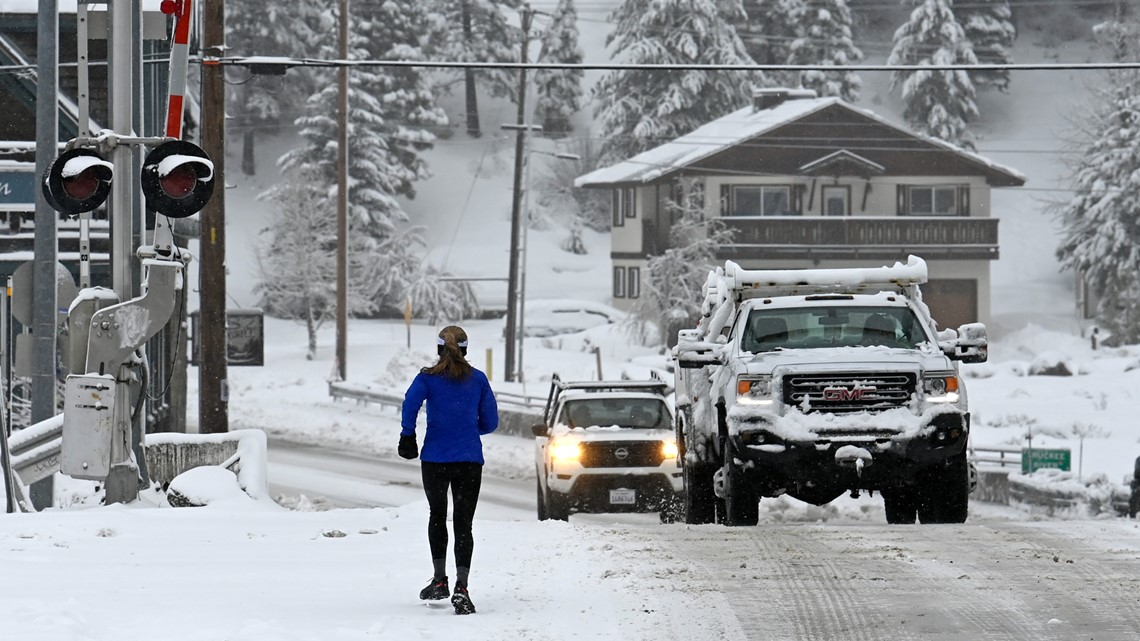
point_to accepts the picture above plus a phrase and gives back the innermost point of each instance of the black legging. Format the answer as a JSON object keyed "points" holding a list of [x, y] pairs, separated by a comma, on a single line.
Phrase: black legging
{"points": [[464, 479]]}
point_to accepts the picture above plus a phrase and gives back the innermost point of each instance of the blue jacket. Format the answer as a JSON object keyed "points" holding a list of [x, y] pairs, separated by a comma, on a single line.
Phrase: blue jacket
{"points": [[458, 413]]}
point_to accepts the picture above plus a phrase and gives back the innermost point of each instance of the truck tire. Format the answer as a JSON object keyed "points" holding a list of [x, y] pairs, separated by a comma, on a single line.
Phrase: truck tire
{"points": [[944, 492], [699, 499], [541, 502], [557, 507], [741, 504], [900, 505]]}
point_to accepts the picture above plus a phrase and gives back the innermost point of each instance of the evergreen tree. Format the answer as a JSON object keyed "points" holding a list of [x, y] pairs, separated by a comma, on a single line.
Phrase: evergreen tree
{"points": [[768, 28], [1101, 223], [559, 90], [825, 39], [989, 28], [479, 31], [439, 300], [301, 242], [640, 109], [938, 103], [667, 302], [255, 28], [389, 112]]}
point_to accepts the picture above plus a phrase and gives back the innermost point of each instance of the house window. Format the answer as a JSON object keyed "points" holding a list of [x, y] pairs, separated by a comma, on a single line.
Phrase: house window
{"points": [[761, 200], [836, 200], [934, 201], [622, 205], [634, 289], [619, 282]]}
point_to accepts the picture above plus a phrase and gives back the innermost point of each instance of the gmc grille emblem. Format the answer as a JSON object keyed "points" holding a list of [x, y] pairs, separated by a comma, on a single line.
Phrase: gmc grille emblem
{"points": [[858, 393]]}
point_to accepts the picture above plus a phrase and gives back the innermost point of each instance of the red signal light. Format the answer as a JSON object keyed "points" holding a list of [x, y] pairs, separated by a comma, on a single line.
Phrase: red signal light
{"points": [[179, 183], [177, 179], [79, 180]]}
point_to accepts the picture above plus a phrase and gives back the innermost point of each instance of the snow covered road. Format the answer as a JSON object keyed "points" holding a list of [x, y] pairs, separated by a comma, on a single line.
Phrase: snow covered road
{"points": [[806, 573], [999, 580]]}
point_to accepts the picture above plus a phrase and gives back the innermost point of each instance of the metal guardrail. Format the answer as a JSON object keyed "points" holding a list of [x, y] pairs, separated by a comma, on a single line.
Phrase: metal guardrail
{"points": [[34, 450], [364, 394], [517, 412], [1000, 455], [392, 398]]}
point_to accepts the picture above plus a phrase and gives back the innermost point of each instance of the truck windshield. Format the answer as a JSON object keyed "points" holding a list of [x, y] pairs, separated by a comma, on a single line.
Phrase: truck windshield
{"points": [[640, 413], [814, 327]]}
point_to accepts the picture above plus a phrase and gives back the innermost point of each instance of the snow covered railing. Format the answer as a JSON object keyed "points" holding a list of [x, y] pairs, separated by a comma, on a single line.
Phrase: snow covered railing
{"points": [[34, 450], [1000, 455], [365, 394], [517, 412]]}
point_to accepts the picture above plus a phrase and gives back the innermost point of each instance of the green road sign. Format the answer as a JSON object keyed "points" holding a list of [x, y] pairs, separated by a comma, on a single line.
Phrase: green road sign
{"points": [[1036, 459]]}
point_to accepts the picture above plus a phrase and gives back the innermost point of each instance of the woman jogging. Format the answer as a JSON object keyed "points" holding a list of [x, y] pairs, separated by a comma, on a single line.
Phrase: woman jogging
{"points": [[460, 409]]}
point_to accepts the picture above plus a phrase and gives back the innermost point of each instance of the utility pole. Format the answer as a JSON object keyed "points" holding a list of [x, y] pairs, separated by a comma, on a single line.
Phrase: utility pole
{"points": [[213, 383], [46, 243], [342, 202], [516, 203]]}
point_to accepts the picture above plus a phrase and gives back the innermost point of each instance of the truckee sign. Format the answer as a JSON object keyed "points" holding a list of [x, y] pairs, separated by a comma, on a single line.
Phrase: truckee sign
{"points": [[17, 189]]}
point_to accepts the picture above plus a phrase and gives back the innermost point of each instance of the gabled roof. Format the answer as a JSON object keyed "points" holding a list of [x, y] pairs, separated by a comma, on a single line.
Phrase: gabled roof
{"points": [[749, 124], [842, 158]]}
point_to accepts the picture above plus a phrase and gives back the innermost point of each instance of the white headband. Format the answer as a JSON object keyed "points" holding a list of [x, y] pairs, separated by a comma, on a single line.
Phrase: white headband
{"points": [[439, 341]]}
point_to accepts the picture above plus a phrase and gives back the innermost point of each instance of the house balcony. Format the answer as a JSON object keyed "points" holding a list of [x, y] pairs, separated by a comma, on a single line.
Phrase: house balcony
{"points": [[880, 237]]}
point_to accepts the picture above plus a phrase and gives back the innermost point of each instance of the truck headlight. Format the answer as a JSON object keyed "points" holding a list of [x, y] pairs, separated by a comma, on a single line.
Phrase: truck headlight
{"points": [[941, 388], [565, 451], [755, 390], [669, 449]]}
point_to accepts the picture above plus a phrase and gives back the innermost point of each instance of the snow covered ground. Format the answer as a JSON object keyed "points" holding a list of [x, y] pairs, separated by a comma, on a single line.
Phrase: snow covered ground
{"points": [[250, 570]]}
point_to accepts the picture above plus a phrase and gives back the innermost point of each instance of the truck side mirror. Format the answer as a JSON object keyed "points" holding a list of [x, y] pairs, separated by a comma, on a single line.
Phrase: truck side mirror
{"points": [[540, 429], [698, 354], [970, 346]]}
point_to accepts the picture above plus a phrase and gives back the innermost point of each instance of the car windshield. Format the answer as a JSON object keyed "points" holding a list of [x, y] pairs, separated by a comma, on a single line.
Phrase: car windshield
{"points": [[640, 413], [814, 327]]}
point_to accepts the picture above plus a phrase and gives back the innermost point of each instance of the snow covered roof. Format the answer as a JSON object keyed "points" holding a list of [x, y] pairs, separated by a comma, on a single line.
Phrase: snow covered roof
{"points": [[748, 123]]}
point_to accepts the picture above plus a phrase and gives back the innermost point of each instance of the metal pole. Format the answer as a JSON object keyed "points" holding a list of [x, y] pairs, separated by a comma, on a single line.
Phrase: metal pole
{"points": [[122, 483], [5, 410], [522, 262], [213, 383], [516, 205], [342, 202], [46, 243]]}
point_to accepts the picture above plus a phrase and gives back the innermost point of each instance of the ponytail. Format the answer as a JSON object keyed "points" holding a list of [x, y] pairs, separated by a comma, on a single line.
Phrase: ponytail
{"points": [[451, 345]]}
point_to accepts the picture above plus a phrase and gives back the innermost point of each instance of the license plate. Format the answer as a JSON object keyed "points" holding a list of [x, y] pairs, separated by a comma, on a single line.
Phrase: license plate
{"points": [[623, 497]]}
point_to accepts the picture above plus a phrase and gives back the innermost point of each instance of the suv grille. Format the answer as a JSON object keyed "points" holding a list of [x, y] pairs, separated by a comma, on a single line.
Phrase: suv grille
{"points": [[621, 454], [849, 391]]}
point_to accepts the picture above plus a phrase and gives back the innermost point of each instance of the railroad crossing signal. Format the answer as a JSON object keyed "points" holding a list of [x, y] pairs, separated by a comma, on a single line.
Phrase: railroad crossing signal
{"points": [[78, 181], [177, 180]]}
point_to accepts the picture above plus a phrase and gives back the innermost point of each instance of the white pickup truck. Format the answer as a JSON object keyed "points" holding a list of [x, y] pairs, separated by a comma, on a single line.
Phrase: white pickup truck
{"points": [[816, 382], [606, 446]]}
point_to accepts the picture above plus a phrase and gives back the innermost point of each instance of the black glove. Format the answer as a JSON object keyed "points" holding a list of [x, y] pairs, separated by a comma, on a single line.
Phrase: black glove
{"points": [[408, 448]]}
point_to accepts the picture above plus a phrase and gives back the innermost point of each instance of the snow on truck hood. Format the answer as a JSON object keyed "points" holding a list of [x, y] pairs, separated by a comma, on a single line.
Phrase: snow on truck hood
{"points": [[846, 358], [611, 433]]}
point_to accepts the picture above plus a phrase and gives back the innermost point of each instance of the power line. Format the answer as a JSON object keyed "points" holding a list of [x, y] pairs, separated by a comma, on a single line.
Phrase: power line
{"points": [[286, 62]]}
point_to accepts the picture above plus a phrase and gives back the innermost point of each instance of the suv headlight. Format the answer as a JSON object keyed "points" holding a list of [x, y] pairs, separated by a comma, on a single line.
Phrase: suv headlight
{"points": [[755, 390], [565, 451], [669, 449], [941, 388]]}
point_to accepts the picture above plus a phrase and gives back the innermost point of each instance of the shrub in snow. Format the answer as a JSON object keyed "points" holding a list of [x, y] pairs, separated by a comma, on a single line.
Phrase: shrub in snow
{"points": [[1052, 364], [1060, 493]]}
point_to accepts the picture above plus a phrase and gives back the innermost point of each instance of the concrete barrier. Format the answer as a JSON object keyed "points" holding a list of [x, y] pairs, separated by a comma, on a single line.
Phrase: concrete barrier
{"points": [[993, 485]]}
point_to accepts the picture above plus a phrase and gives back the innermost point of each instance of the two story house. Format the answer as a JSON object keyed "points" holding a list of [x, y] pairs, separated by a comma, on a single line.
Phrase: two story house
{"points": [[803, 181]]}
